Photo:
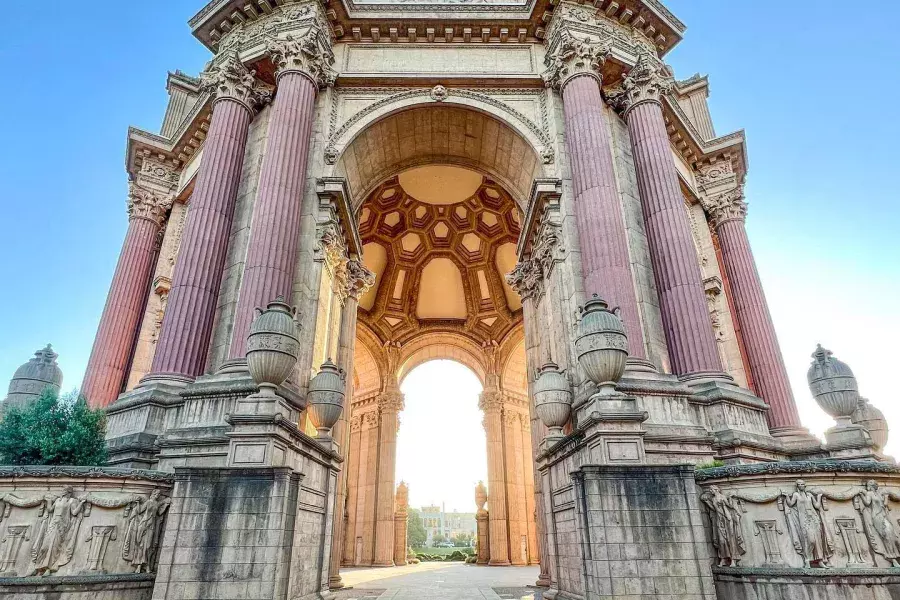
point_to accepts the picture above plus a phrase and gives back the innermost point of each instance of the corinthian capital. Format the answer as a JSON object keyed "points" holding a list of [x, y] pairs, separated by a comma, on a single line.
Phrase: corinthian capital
{"points": [[307, 54], [725, 207], [572, 56], [359, 279], [230, 79], [148, 204], [526, 278], [647, 81], [390, 401]]}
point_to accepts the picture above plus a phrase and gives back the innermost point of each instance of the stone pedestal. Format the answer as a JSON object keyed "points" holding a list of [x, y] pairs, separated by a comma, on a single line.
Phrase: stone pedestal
{"points": [[400, 537], [482, 524]]}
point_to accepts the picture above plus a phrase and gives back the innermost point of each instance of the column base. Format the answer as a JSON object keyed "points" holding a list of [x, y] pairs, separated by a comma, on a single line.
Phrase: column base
{"points": [[233, 365], [639, 365], [543, 581], [335, 583], [499, 563], [389, 563]]}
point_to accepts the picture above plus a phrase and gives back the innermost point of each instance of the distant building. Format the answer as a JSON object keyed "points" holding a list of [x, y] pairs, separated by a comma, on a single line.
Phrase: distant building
{"points": [[439, 522]]}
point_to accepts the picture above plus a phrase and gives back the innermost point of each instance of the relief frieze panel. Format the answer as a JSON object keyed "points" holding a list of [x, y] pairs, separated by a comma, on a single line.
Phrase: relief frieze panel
{"points": [[781, 523], [66, 532]]}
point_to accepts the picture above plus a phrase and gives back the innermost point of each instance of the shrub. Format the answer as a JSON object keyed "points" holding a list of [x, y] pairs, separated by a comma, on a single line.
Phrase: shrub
{"points": [[471, 560], [710, 465], [54, 430]]}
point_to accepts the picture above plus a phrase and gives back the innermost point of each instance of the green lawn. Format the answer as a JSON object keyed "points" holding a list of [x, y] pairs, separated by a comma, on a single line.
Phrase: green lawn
{"points": [[442, 551]]}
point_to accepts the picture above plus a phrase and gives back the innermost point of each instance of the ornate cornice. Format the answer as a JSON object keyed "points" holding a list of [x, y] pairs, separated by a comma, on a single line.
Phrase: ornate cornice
{"points": [[572, 57], [359, 279], [728, 206], [304, 54], [55, 472], [648, 81], [144, 203], [230, 79], [796, 468]]}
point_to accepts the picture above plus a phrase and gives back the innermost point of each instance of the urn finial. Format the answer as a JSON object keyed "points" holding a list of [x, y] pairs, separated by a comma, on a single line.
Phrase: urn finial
{"points": [[273, 345], [325, 398], [601, 345], [833, 385]]}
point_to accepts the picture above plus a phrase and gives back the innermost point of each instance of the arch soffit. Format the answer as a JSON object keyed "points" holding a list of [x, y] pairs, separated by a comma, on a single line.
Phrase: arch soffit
{"points": [[438, 346], [385, 109]]}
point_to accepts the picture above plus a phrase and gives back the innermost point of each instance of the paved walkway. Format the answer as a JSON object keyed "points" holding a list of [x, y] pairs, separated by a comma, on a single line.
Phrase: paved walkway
{"points": [[437, 581]]}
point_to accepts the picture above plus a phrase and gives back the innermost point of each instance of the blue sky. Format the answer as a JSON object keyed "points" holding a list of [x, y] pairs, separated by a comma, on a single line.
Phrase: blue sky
{"points": [[814, 85]]}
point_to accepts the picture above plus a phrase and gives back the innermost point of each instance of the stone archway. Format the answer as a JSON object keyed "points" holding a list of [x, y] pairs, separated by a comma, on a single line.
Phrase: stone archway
{"points": [[438, 193]]}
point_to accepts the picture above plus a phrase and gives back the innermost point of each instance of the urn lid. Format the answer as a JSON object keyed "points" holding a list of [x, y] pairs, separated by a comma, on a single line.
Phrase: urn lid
{"points": [[42, 370], [596, 316], [550, 378], [278, 317], [826, 366], [596, 303]]}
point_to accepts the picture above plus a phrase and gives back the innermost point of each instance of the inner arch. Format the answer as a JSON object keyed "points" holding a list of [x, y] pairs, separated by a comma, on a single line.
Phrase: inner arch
{"points": [[439, 135]]}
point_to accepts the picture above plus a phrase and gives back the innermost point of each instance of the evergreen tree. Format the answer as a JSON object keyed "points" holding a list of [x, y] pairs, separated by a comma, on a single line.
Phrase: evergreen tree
{"points": [[54, 430], [415, 529]]}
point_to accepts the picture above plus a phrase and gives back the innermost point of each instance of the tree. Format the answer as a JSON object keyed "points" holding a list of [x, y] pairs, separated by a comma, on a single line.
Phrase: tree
{"points": [[438, 539], [462, 540], [54, 430], [415, 529]]}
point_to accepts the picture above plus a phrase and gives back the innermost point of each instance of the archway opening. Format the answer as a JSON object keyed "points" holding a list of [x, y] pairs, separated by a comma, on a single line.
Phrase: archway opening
{"points": [[441, 453]]}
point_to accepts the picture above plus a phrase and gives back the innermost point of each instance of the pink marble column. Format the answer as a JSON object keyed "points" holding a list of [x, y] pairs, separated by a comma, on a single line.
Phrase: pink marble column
{"points": [[107, 368], [689, 333], [187, 324], [275, 233], [770, 377], [598, 210]]}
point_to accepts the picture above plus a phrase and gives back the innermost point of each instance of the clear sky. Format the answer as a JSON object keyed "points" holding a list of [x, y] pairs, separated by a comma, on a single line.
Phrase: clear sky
{"points": [[813, 84]]}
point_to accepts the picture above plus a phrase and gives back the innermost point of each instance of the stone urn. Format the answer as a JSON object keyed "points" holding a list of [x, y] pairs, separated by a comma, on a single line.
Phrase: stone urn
{"points": [[401, 499], [552, 399], [833, 385], [481, 496], [601, 345], [273, 345], [873, 421], [325, 398]]}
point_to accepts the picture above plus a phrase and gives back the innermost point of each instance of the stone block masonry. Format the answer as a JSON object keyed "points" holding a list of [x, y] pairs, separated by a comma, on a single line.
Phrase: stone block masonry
{"points": [[641, 533]]}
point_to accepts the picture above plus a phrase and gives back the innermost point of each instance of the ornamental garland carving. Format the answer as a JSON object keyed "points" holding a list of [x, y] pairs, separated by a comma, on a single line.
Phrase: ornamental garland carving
{"points": [[572, 56], [304, 53], [230, 79], [55, 539], [151, 205]]}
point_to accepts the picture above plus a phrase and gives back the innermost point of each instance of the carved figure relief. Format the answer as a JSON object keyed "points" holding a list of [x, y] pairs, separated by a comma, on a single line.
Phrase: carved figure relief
{"points": [[806, 522], [727, 534], [883, 535], [144, 529], [56, 532]]}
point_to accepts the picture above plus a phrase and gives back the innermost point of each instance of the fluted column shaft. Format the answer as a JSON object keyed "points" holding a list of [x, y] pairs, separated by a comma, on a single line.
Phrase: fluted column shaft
{"points": [[598, 210], [384, 509], [111, 353], [346, 348], [275, 234], [760, 341], [400, 536], [689, 333], [493, 428], [187, 324]]}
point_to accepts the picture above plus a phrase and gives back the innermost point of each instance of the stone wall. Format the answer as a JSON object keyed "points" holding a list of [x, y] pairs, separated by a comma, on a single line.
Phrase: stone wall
{"points": [[74, 532]]}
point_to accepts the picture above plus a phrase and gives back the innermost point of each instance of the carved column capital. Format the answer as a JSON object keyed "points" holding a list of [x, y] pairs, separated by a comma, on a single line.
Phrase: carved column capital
{"points": [[359, 279], [526, 279], [491, 401], [230, 79], [728, 206], [571, 56], [647, 81], [547, 249], [144, 203], [308, 54], [390, 401]]}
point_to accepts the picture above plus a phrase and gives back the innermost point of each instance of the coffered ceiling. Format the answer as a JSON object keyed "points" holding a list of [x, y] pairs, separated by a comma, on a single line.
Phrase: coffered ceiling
{"points": [[440, 255]]}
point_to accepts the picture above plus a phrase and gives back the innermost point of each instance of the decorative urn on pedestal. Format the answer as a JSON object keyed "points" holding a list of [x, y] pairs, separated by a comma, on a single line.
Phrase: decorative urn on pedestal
{"points": [[325, 398], [273, 345], [601, 345], [552, 399], [833, 385], [872, 419], [481, 497]]}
